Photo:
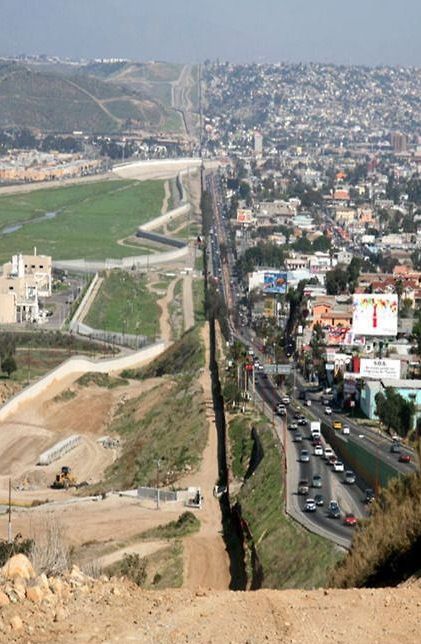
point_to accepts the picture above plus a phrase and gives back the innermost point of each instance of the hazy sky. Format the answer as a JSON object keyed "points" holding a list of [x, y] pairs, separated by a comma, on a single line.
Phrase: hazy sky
{"points": [[368, 32]]}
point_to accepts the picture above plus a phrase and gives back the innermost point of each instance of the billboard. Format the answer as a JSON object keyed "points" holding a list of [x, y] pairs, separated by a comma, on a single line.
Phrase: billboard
{"points": [[378, 369], [274, 282], [337, 335], [244, 216], [375, 314]]}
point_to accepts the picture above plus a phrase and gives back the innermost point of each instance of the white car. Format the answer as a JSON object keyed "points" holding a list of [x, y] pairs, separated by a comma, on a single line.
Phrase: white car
{"points": [[328, 411], [318, 450], [285, 400], [338, 466], [346, 429], [310, 505], [328, 452]]}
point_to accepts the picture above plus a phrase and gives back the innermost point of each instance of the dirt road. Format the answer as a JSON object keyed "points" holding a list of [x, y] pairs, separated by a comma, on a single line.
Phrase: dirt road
{"points": [[206, 562]]}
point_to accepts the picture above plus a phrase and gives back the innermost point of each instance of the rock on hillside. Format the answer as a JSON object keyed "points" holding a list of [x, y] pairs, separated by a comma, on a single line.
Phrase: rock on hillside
{"points": [[76, 607]]}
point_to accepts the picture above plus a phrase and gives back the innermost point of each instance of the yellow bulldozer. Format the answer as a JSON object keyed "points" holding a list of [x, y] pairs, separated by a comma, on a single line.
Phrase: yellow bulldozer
{"points": [[64, 479]]}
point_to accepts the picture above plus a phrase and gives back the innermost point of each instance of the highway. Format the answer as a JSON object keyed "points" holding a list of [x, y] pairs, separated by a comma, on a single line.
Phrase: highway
{"points": [[349, 497]]}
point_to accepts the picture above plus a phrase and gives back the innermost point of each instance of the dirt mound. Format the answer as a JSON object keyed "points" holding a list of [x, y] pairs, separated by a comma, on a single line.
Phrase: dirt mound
{"points": [[76, 607], [8, 389]]}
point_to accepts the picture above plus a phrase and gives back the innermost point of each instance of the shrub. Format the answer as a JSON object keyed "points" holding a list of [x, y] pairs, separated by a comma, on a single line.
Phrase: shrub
{"points": [[134, 568]]}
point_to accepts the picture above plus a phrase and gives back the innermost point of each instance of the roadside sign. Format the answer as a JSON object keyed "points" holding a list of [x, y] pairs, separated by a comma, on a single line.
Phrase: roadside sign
{"points": [[278, 369]]}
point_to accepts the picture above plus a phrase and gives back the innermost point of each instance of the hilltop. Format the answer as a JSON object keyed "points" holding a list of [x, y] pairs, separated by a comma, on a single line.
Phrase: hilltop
{"points": [[93, 99]]}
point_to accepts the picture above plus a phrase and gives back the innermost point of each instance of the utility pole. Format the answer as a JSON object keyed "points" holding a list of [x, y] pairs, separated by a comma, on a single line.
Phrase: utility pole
{"points": [[157, 484], [9, 525]]}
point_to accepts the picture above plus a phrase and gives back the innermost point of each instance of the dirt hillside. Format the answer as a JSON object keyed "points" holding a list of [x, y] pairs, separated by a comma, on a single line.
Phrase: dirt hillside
{"points": [[77, 608]]}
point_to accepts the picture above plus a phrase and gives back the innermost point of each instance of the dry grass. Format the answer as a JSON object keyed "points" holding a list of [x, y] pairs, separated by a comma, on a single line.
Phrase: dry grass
{"points": [[50, 553], [386, 548]]}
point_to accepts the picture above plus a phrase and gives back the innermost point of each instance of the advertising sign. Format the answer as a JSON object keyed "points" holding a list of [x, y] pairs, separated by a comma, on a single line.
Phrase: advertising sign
{"points": [[337, 334], [378, 369], [375, 314], [279, 369], [244, 216], [274, 282]]}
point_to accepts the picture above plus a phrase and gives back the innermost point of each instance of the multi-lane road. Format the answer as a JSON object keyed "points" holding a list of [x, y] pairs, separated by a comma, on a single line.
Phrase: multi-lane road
{"points": [[349, 497]]}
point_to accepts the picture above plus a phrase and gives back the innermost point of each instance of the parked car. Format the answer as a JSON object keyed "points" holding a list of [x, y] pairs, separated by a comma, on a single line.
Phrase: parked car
{"points": [[319, 499], [404, 458], [310, 505], [338, 466], [318, 450], [305, 456], [333, 510], [316, 481], [303, 486], [350, 520], [349, 477], [328, 411]]}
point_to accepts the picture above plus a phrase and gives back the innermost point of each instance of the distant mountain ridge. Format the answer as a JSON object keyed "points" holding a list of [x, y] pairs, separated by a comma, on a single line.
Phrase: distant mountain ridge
{"points": [[55, 101]]}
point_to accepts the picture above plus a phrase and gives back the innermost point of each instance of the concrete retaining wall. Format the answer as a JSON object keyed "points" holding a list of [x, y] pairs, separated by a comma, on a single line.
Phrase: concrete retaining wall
{"points": [[168, 216], [79, 365]]}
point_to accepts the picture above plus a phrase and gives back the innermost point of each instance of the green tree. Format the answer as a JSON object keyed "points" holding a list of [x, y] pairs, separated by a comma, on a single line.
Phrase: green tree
{"points": [[336, 281], [394, 411], [8, 365]]}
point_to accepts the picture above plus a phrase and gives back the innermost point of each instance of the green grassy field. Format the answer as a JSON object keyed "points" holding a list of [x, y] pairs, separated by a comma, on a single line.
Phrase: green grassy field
{"points": [[124, 304], [91, 219]]}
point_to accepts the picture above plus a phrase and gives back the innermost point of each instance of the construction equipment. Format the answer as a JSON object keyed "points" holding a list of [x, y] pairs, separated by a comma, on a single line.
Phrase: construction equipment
{"points": [[64, 479]]}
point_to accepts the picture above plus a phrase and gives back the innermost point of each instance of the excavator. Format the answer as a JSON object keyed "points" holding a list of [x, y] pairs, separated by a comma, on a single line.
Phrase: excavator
{"points": [[64, 479]]}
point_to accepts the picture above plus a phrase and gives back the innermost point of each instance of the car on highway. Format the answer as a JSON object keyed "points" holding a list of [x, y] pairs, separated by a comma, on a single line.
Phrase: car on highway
{"points": [[338, 466], [310, 505], [297, 438], [350, 520], [345, 430], [285, 400], [333, 510], [281, 410], [304, 456], [293, 427], [395, 447], [318, 450], [349, 477], [316, 481], [303, 486], [369, 495], [337, 424], [404, 458], [319, 498], [303, 422], [328, 452], [328, 411]]}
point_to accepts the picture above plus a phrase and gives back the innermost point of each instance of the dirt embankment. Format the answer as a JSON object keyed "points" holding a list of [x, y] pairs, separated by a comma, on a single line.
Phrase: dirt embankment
{"points": [[77, 608]]}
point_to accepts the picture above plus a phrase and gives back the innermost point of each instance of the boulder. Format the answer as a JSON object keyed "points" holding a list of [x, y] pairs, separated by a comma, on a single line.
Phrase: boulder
{"points": [[4, 600], [34, 594], [18, 566]]}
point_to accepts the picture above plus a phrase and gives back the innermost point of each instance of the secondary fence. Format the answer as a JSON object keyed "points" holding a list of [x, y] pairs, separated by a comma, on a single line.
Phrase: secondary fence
{"points": [[59, 449], [110, 337]]}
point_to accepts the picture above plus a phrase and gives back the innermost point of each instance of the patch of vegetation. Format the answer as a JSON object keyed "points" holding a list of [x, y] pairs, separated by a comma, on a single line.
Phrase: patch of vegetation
{"points": [[133, 567], [172, 432], [101, 380], [241, 443], [18, 546], [186, 524], [290, 556], [162, 569], [199, 300], [88, 223], [125, 305], [67, 394], [184, 356], [386, 548]]}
